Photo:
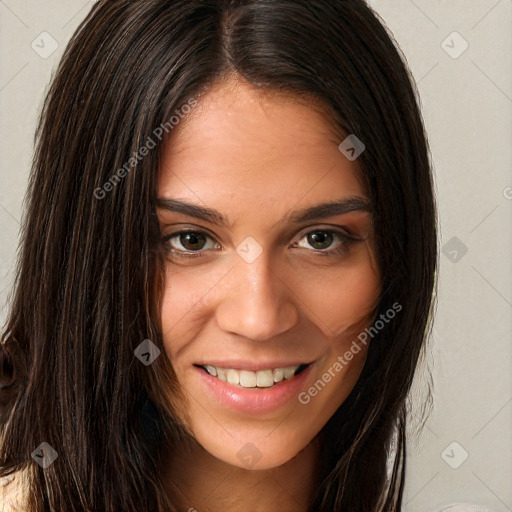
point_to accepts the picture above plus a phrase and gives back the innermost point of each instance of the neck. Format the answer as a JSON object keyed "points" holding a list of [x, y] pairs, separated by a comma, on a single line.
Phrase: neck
{"points": [[200, 481]]}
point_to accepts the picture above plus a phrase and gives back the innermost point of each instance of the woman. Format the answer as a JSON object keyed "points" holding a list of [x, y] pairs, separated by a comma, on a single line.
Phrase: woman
{"points": [[227, 266]]}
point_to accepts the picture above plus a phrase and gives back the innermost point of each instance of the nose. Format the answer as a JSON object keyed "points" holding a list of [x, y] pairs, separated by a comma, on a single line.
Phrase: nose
{"points": [[256, 302]]}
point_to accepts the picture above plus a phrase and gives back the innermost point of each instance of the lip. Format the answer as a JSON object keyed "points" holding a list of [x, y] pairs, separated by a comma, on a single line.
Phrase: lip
{"points": [[253, 400]]}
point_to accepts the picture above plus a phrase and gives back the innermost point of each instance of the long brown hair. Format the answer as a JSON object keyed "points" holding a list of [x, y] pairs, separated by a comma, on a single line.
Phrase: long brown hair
{"points": [[90, 268]]}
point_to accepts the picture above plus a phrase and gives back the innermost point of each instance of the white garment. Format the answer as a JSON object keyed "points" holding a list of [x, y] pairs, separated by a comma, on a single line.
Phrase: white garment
{"points": [[12, 493]]}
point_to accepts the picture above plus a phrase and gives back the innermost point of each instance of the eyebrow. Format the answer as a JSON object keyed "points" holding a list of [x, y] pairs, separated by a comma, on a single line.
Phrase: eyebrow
{"points": [[317, 212]]}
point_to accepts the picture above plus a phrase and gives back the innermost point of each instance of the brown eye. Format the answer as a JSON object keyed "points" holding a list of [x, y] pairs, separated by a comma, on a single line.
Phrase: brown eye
{"points": [[188, 243], [192, 241], [320, 239]]}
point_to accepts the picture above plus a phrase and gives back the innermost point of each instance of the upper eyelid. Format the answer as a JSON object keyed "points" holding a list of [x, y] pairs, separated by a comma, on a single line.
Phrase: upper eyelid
{"points": [[311, 229], [307, 229]]}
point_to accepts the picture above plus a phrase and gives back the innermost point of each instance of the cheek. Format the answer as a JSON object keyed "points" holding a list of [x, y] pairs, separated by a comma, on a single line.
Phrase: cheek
{"points": [[178, 303], [183, 306], [343, 302]]}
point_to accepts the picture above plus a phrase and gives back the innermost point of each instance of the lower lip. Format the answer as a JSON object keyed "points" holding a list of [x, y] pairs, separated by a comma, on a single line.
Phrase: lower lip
{"points": [[254, 400]]}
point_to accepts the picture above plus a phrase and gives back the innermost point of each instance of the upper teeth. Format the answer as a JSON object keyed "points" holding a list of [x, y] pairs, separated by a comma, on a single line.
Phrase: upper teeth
{"points": [[250, 379]]}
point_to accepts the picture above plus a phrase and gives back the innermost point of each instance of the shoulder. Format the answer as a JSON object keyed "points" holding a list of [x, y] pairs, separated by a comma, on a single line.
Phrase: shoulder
{"points": [[12, 490]]}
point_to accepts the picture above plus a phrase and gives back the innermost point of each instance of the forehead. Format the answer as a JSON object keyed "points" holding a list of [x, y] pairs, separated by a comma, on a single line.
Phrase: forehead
{"points": [[269, 149]]}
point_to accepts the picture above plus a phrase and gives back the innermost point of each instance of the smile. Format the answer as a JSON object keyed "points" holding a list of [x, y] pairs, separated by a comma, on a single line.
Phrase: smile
{"points": [[255, 392], [252, 379]]}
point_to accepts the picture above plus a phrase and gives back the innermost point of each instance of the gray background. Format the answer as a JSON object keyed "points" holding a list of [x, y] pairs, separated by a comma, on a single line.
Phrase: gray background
{"points": [[463, 454]]}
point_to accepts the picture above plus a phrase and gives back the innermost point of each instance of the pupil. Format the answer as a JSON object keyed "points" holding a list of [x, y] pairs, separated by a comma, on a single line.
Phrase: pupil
{"points": [[319, 238], [191, 238]]}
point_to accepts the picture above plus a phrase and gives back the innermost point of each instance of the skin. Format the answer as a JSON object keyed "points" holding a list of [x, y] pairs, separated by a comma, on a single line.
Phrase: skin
{"points": [[257, 157]]}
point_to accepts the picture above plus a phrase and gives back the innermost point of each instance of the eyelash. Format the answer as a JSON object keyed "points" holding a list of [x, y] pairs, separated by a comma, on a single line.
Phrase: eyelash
{"points": [[342, 250]]}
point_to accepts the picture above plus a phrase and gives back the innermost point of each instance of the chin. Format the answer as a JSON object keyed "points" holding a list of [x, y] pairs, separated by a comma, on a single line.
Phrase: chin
{"points": [[250, 452]]}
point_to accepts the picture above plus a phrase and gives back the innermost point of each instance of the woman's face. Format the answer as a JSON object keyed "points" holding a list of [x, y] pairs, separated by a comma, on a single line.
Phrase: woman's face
{"points": [[264, 281]]}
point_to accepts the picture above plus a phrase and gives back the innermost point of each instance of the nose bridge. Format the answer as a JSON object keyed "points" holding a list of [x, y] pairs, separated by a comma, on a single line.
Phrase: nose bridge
{"points": [[257, 304]]}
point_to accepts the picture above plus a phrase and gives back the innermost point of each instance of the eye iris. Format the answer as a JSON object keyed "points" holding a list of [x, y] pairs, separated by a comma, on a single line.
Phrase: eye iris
{"points": [[194, 239], [320, 238]]}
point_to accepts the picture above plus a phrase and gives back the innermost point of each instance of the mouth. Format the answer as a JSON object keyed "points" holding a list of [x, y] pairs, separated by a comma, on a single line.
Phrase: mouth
{"points": [[253, 391], [249, 379]]}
